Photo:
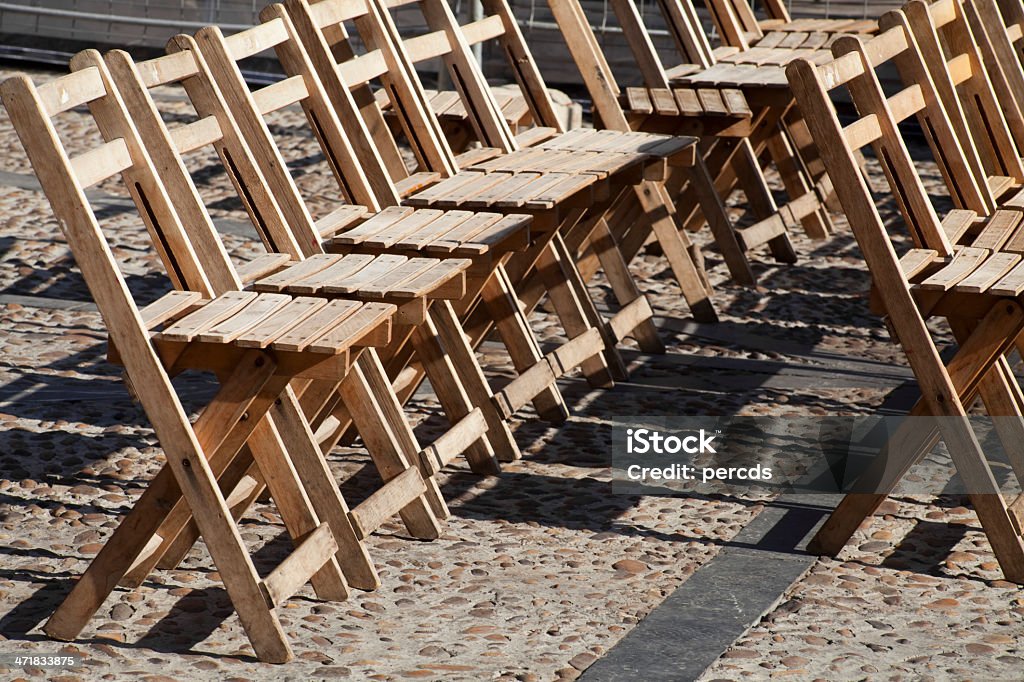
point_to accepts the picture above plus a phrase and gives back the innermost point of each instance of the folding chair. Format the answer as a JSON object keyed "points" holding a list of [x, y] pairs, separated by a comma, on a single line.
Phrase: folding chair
{"points": [[975, 288], [723, 119], [734, 159], [414, 286], [251, 434], [614, 165]]}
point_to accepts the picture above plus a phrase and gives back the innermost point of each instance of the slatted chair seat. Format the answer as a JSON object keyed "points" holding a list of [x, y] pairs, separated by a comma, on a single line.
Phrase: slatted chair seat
{"points": [[423, 286], [558, 196], [827, 26], [447, 234], [384, 277], [735, 133], [681, 101]]}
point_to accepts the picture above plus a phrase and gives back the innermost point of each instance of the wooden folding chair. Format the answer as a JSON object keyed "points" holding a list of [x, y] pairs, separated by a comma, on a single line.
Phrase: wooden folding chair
{"points": [[614, 164], [414, 286], [976, 288], [252, 433], [723, 119], [734, 157]]}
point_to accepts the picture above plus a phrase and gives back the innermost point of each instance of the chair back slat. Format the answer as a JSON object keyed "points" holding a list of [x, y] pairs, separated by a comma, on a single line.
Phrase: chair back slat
{"points": [[100, 163], [62, 94]]}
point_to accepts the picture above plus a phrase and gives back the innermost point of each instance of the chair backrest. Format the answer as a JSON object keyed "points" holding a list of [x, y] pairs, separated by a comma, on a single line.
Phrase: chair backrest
{"points": [[998, 25], [230, 119], [877, 127], [687, 32], [446, 39], [944, 127], [586, 52], [324, 29], [954, 59], [64, 180]]}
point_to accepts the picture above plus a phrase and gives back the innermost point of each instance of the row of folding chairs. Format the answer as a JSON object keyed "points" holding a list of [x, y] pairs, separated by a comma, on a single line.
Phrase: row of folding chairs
{"points": [[325, 337], [410, 264]]}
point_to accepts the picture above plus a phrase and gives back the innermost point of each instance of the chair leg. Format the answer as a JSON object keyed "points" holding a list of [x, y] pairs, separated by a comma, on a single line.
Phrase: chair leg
{"points": [[979, 357], [624, 286], [388, 437], [656, 205], [755, 187], [816, 224], [451, 387], [450, 333], [192, 478], [556, 272], [505, 309]]}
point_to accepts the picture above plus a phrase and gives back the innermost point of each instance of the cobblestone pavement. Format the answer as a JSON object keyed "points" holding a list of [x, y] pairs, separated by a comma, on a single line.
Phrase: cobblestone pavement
{"points": [[539, 571]]}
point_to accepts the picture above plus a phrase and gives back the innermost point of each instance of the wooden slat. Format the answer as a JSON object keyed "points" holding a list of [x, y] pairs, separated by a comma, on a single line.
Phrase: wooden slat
{"points": [[168, 307], [376, 269], [484, 29], [280, 94], [445, 279], [916, 260], [998, 230], [220, 308], [101, 162], [197, 134], [862, 132], [370, 325], [378, 223], [711, 101], [1012, 284], [386, 501], [689, 103], [964, 263], [433, 231], [167, 69], [406, 226], [252, 315], [70, 91], [957, 222], [314, 326], [990, 272], [339, 219], [299, 566], [344, 269], [279, 280], [638, 100], [252, 41], [261, 265], [265, 333], [392, 281], [465, 232], [362, 69]]}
